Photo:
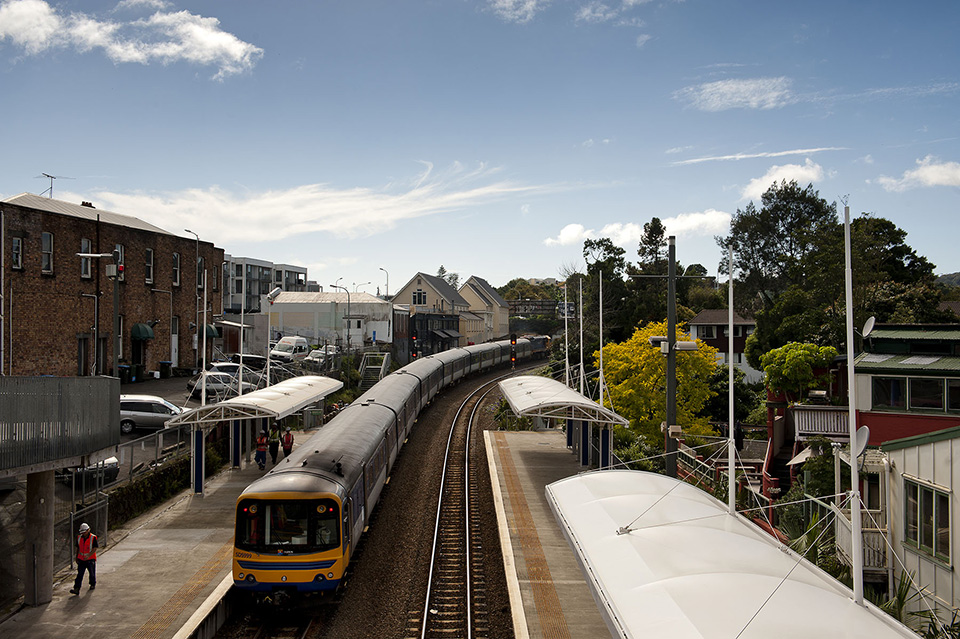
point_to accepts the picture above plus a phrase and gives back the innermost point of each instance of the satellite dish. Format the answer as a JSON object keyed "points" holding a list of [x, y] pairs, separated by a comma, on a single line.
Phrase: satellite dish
{"points": [[868, 325], [860, 443]]}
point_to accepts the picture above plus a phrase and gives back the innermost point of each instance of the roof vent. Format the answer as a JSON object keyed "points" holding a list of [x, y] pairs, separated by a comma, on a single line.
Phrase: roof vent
{"points": [[88, 204]]}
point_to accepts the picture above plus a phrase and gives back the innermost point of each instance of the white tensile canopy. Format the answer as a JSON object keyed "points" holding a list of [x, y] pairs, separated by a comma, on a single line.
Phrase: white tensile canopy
{"points": [[666, 559], [544, 397], [276, 401]]}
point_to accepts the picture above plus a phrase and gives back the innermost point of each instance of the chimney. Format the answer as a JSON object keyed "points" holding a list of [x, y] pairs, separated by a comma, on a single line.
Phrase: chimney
{"points": [[90, 204]]}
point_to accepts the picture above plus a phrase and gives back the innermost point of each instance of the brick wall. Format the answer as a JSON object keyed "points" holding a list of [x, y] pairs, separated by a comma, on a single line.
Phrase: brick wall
{"points": [[43, 330]]}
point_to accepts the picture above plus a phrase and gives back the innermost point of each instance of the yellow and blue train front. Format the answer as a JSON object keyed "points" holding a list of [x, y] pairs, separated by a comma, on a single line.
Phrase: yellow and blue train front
{"points": [[288, 541]]}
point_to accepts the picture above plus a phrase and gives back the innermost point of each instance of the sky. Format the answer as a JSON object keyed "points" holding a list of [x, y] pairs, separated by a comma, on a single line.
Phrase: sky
{"points": [[370, 140]]}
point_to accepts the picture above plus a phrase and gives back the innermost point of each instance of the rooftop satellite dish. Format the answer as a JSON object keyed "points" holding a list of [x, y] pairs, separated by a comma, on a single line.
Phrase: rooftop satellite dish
{"points": [[868, 325], [863, 436]]}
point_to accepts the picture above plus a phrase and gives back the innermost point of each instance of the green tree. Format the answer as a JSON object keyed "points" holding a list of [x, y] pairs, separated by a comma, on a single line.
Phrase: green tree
{"points": [[794, 368], [453, 279], [635, 374]]}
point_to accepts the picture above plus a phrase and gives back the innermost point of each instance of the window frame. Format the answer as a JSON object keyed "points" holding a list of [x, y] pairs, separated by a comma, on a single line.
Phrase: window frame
{"points": [[707, 331], [923, 527], [46, 253], [176, 269], [86, 263], [16, 253], [148, 265]]}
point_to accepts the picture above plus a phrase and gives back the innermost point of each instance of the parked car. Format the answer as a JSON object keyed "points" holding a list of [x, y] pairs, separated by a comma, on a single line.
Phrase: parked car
{"points": [[218, 384], [256, 362], [290, 348], [110, 469], [145, 411], [250, 374]]}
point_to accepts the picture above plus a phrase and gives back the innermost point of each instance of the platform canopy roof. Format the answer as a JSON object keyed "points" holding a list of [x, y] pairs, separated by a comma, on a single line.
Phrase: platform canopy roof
{"points": [[666, 559], [276, 401], [530, 395]]}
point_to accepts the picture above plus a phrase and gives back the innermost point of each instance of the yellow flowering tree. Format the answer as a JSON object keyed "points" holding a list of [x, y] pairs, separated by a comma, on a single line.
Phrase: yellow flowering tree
{"points": [[636, 372]]}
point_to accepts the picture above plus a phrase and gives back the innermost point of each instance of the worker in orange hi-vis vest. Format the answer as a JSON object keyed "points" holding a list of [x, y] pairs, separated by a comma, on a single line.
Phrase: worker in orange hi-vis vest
{"points": [[287, 442], [86, 558]]}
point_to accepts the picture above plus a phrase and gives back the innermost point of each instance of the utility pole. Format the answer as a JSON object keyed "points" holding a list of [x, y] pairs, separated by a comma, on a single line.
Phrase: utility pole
{"points": [[670, 444]]}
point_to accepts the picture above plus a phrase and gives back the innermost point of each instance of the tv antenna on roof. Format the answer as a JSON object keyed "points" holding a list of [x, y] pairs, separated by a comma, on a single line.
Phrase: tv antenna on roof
{"points": [[52, 178]]}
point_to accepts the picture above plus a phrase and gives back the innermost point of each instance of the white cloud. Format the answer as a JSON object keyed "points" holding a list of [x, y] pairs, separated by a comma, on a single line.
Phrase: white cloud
{"points": [[756, 93], [642, 39], [628, 234], [570, 234], [751, 156], [803, 174], [30, 24], [520, 11], [164, 37], [313, 208], [595, 12], [929, 172]]}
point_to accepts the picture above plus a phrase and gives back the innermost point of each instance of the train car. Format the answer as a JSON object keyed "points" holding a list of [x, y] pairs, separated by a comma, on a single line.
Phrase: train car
{"points": [[297, 526]]}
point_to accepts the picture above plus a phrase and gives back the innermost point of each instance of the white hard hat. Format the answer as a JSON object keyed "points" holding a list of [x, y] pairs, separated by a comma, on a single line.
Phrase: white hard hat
{"points": [[84, 527]]}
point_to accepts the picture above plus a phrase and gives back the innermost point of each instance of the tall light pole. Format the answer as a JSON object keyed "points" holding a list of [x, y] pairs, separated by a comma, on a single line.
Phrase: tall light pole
{"points": [[271, 296], [196, 270], [170, 325], [347, 291], [356, 286], [387, 294]]}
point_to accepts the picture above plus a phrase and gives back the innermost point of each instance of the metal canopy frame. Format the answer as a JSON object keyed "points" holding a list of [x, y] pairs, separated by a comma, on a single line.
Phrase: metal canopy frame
{"points": [[529, 395]]}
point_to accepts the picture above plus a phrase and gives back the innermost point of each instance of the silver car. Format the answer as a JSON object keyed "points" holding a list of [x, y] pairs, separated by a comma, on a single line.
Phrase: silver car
{"points": [[217, 384], [145, 411]]}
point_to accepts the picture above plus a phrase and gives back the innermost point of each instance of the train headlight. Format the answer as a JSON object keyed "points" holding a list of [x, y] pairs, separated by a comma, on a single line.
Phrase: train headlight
{"points": [[329, 575], [283, 578], [251, 578], [318, 578], [240, 576]]}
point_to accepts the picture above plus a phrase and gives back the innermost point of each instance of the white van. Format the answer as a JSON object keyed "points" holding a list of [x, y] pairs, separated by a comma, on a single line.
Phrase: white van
{"points": [[290, 348]]}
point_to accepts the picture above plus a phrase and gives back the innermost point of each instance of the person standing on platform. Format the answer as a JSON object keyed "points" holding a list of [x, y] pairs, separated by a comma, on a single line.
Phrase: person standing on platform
{"points": [[274, 442], [86, 558], [287, 442], [261, 455]]}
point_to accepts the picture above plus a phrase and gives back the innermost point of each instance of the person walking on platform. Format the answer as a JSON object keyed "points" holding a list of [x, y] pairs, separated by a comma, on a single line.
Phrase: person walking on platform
{"points": [[287, 442], [274, 442], [261, 456], [86, 558]]}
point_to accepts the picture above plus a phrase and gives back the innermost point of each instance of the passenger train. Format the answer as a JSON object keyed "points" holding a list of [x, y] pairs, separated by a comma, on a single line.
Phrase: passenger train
{"points": [[297, 526]]}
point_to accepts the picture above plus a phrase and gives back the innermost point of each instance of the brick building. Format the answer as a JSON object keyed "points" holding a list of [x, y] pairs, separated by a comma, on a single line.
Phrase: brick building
{"points": [[55, 303]]}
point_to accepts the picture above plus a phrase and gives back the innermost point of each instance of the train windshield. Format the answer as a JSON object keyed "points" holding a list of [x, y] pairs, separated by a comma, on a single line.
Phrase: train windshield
{"points": [[302, 525]]}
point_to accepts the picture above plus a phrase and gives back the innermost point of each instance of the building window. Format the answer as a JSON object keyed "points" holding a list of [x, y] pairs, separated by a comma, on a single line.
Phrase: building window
{"points": [[199, 272], [278, 277], [16, 253], [737, 331], [927, 519], [419, 297], [175, 325], [707, 332], [86, 269], [953, 395], [46, 252], [149, 266], [890, 393], [238, 270], [176, 269], [926, 394], [216, 278]]}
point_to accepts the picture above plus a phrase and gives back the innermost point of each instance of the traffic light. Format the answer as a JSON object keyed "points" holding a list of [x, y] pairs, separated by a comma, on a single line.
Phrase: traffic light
{"points": [[116, 256], [414, 355], [513, 339]]}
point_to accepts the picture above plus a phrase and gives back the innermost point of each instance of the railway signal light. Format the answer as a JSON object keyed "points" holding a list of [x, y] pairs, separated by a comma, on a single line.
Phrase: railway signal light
{"points": [[513, 339]]}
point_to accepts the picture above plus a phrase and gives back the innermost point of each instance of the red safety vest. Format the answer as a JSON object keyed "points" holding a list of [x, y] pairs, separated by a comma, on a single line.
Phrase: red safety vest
{"points": [[85, 548], [262, 444], [288, 440]]}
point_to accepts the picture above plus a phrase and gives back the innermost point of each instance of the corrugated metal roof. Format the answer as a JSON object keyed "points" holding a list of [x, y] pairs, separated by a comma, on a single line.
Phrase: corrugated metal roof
{"points": [[908, 335], [545, 397], [906, 363], [50, 205], [337, 297]]}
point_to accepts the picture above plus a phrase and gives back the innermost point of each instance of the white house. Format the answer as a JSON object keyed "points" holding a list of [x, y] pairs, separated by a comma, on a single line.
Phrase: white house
{"points": [[331, 318]]}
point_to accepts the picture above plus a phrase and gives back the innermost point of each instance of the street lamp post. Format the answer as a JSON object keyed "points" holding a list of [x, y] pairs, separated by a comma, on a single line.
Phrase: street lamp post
{"points": [[347, 291], [388, 282], [356, 286], [170, 325], [196, 270]]}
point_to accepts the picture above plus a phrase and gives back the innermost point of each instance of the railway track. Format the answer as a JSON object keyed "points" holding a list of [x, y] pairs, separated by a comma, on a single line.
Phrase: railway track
{"points": [[455, 604]]}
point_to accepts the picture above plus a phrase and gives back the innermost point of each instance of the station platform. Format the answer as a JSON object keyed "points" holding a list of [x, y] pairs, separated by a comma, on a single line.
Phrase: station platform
{"points": [[167, 569], [153, 575], [555, 600]]}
